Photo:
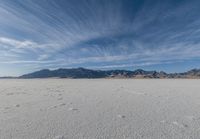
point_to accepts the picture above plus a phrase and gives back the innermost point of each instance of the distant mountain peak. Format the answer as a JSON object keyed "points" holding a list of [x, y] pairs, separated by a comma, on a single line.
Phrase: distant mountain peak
{"points": [[88, 73]]}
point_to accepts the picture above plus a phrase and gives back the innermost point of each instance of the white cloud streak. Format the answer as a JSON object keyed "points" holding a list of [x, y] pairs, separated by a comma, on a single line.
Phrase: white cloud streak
{"points": [[47, 34]]}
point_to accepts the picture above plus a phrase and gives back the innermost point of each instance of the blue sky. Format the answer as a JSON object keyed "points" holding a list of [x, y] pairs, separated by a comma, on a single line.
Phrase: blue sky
{"points": [[99, 34]]}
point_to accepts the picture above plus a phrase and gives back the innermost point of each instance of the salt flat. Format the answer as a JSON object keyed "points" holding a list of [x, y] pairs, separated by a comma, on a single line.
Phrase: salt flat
{"points": [[99, 109]]}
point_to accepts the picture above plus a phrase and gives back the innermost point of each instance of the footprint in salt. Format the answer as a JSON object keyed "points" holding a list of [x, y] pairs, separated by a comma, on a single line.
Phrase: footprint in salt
{"points": [[17, 105], [119, 96], [60, 98], [53, 107], [9, 94], [175, 123], [63, 104], [121, 116], [185, 125], [179, 125], [7, 108], [72, 109]]}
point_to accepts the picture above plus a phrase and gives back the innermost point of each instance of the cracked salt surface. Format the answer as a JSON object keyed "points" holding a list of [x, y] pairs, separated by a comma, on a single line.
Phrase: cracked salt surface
{"points": [[99, 109]]}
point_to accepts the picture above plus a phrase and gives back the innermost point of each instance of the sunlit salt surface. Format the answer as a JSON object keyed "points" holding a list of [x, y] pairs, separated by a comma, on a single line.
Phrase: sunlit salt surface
{"points": [[99, 109]]}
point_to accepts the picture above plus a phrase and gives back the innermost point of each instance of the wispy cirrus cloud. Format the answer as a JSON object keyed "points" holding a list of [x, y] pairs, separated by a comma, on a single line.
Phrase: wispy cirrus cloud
{"points": [[115, 33]]}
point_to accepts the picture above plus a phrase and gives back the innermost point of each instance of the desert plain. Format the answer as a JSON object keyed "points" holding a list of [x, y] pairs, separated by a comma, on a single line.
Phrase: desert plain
{"points": [[99, 109]]}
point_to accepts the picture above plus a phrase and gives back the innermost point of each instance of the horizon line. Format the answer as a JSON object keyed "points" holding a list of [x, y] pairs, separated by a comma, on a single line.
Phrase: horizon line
{"points": [[99, 70]]}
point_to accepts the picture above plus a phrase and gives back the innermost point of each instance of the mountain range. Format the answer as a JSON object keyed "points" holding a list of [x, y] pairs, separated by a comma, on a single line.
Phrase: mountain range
{"points": [[88, 73]]}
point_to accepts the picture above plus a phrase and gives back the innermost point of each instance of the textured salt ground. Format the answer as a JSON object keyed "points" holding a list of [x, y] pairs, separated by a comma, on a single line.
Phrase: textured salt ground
{"points": [[99, 109]]}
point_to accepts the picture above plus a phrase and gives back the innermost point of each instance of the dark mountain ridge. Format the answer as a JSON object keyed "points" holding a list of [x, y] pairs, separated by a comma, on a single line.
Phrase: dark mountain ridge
{"points": [[88, 73]]}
